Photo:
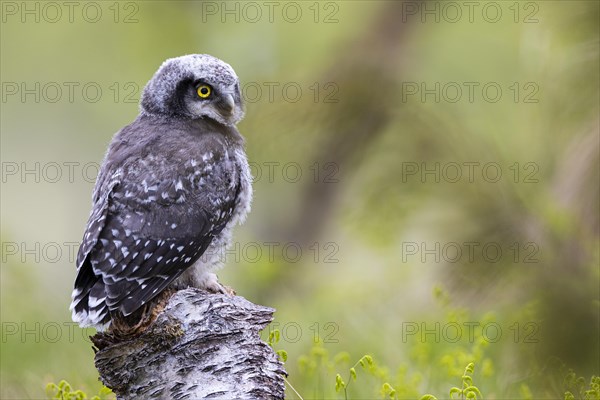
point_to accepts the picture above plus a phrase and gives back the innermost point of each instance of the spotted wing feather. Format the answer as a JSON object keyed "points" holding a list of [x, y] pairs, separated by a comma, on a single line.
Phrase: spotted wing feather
{"points": [[154, 223]]}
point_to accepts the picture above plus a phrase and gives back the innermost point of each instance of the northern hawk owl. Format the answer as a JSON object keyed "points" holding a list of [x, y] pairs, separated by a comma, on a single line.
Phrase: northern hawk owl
{"points": [[171, 187]]}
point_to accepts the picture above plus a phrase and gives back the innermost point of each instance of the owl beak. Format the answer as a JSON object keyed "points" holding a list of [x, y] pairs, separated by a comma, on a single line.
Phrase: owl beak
{"points": [[228, 104]]}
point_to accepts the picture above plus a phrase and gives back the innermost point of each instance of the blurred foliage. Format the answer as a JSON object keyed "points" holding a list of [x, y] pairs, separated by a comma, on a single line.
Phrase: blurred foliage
{"points": [[318, 373], [355, 288]]}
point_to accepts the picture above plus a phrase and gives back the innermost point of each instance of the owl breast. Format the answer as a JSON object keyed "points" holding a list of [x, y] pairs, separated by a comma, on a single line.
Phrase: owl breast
{"points": [[244, 198]]}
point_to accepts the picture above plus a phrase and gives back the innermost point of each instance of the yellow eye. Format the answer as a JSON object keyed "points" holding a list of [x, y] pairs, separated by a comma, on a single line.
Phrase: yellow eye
{"points": [[204, 91]]}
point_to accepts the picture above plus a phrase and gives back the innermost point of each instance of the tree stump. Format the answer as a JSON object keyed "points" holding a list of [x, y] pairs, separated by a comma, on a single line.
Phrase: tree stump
{"points": [[202, 345]]}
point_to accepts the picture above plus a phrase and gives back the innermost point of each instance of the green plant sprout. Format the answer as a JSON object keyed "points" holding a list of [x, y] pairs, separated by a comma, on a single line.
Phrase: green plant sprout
{"points": [[367, 363], [575, 384], [468, 390], [273, 339], [64, 391]]}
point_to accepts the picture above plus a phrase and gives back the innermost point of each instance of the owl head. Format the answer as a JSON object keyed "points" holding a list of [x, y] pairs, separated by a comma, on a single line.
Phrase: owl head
{"points": [[194, 86]]}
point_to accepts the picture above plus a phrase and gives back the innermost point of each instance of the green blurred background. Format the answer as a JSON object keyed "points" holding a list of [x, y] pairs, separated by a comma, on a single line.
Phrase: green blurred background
{"points": [[359, 116]]}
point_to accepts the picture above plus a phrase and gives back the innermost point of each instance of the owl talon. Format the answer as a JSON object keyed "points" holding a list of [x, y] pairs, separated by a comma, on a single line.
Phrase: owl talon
{"points": [[228, 291], [222, 289], [212, 284]]}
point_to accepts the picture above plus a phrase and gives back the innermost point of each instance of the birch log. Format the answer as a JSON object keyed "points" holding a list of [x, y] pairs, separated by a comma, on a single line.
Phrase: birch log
{"points": [[202, 345]]}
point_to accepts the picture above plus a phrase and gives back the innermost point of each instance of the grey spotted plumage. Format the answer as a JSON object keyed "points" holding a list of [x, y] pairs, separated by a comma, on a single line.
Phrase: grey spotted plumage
{"points": [[171, 187]]}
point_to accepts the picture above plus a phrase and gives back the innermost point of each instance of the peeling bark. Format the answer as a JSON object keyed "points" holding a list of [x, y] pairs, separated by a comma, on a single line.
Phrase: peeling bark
{"points": [[202, 345]]}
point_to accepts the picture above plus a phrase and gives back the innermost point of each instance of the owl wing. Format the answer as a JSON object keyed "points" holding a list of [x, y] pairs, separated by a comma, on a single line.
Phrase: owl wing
{"points": [[147, 228]]}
